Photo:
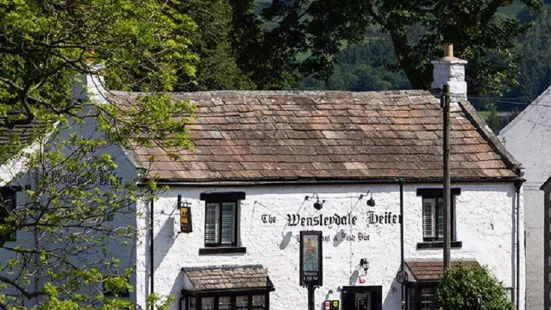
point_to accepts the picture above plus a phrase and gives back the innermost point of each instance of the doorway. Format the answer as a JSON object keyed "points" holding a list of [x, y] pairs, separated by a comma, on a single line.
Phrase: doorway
{"points": [[361, 298]]}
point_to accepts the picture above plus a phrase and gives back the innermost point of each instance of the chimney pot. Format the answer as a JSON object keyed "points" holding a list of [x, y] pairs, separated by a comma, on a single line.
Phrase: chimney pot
{"points": [[448, 50]]}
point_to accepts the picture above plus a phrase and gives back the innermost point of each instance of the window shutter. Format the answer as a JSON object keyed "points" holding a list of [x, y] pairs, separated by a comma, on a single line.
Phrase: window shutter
{"points": [[428, 218], [228, 217], [211, 223]]}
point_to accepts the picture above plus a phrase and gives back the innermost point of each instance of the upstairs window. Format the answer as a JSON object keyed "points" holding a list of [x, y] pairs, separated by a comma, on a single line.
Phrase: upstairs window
{"points": [[7, 221], [222, 218], [433, 213]]}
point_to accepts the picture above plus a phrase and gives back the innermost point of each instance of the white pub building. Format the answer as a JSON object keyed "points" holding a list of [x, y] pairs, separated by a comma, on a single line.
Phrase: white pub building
{"points": [[360, 168]]}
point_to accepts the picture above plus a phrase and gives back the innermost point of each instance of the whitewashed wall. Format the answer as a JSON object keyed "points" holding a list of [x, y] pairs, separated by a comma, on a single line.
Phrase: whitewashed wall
{"points": [[484, 217]]}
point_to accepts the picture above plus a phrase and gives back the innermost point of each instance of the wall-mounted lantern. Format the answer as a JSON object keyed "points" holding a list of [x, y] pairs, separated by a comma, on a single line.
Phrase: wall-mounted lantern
{"points": [[318, 204], [364, 264], [370, 202]]}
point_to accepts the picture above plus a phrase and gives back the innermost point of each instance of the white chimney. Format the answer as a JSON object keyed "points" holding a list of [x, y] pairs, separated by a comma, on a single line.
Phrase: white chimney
{"points": [[450, 70], [90, 86]]}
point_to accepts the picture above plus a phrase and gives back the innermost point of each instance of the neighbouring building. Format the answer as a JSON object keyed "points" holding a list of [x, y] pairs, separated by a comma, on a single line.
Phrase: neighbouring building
{"points": [[360, 168], [526, 138]]}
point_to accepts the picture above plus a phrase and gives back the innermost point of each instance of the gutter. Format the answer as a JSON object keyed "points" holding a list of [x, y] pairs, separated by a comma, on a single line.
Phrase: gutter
{"points": [[215, 182], [518, 186], [151, 253]]}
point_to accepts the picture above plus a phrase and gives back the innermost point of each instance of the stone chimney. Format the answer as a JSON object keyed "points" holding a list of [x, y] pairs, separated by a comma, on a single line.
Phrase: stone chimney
{"points": [[450, 70], [89, 86]]}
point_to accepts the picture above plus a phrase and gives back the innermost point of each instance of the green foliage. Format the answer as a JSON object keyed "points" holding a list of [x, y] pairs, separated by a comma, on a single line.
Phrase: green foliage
{"points": [[461, 287], [362, 67], [66, 234], [535, 72], [492, 120], [217, 67], [418, 29]]}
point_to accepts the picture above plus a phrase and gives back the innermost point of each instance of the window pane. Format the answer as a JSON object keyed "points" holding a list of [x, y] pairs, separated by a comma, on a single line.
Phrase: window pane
{"points": [[242, 303], [191, 303], [259, 302], [428, 218], [440, 211], [207, 303], [224, 303], [411, 299], [426, 298], [228, 216], [211, 223]]}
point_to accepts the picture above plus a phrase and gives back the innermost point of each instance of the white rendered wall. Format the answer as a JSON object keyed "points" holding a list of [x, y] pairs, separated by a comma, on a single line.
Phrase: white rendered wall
{"points": [[484, 223]]}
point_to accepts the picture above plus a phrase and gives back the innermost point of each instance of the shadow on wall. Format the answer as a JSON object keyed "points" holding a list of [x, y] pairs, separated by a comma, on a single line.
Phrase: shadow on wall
{"points": [[286, 240], [164, 239], [392, 300]]}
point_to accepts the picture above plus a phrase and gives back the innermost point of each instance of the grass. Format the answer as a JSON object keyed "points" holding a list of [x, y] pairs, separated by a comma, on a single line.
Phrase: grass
{"points": [[484, 114]]}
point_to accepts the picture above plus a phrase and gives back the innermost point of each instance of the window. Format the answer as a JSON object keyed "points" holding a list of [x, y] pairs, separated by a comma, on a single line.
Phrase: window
{"points": [[221, 224], [222, 219], [208, 303], [411, 298], [426, 298], [259, 301], [433, 214], [241, 303], [433, 219], [7, 223]]}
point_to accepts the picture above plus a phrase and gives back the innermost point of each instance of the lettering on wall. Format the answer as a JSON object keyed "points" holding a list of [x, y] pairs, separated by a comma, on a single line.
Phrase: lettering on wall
{"points": [[335, 219], [321, 220], [343, 236]]}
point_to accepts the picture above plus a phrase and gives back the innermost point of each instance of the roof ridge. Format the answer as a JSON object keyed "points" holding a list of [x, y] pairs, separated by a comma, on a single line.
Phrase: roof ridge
{"points": [[526, 110]]}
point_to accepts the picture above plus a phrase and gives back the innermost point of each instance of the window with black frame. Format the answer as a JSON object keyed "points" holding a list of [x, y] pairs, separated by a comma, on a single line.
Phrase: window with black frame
{"points": [[433, 216], [222, 221], [433, 219], [234, 302], [7, 221]]}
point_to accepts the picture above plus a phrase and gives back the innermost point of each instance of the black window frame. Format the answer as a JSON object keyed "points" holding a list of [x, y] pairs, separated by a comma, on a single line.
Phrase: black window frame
{"points": [[220, 198], [232, 295], [436, 242], [8, 192]]}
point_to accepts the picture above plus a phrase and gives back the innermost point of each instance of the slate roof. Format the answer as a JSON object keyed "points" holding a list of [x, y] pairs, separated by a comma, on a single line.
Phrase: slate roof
{"points": [[433, 270], [289, 136], [228, 277]]}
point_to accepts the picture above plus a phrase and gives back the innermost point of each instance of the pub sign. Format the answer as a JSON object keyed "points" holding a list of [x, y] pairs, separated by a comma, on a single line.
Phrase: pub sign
{"points": [[185, 220], [311, 259]]}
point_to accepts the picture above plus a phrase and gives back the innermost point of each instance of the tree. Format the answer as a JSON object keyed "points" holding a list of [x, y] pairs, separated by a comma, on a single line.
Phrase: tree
{"points": [[213, 42], [418, 29], [463, 287], [67, 180]]}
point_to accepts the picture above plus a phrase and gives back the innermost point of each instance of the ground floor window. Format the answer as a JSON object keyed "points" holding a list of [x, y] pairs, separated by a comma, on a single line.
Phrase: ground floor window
{"points": [[236, 302], [426, 298], [420, 297]]}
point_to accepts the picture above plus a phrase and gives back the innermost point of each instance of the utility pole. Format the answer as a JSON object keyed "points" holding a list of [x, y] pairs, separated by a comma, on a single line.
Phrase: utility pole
{"points": [[447, 200]]}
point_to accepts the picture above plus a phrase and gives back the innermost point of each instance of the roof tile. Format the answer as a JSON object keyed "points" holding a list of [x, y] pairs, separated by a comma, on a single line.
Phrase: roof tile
{"points": [[247, 135]]}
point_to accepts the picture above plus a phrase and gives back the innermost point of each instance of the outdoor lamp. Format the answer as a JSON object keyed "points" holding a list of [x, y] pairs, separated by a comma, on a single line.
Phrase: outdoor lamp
{"points": [[370, 202], [318, 204], [364, 264]]}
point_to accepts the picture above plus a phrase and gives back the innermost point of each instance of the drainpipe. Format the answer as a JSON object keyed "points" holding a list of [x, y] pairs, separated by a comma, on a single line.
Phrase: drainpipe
{"points": [[401, 182], [151, 251], [518, 185]]}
